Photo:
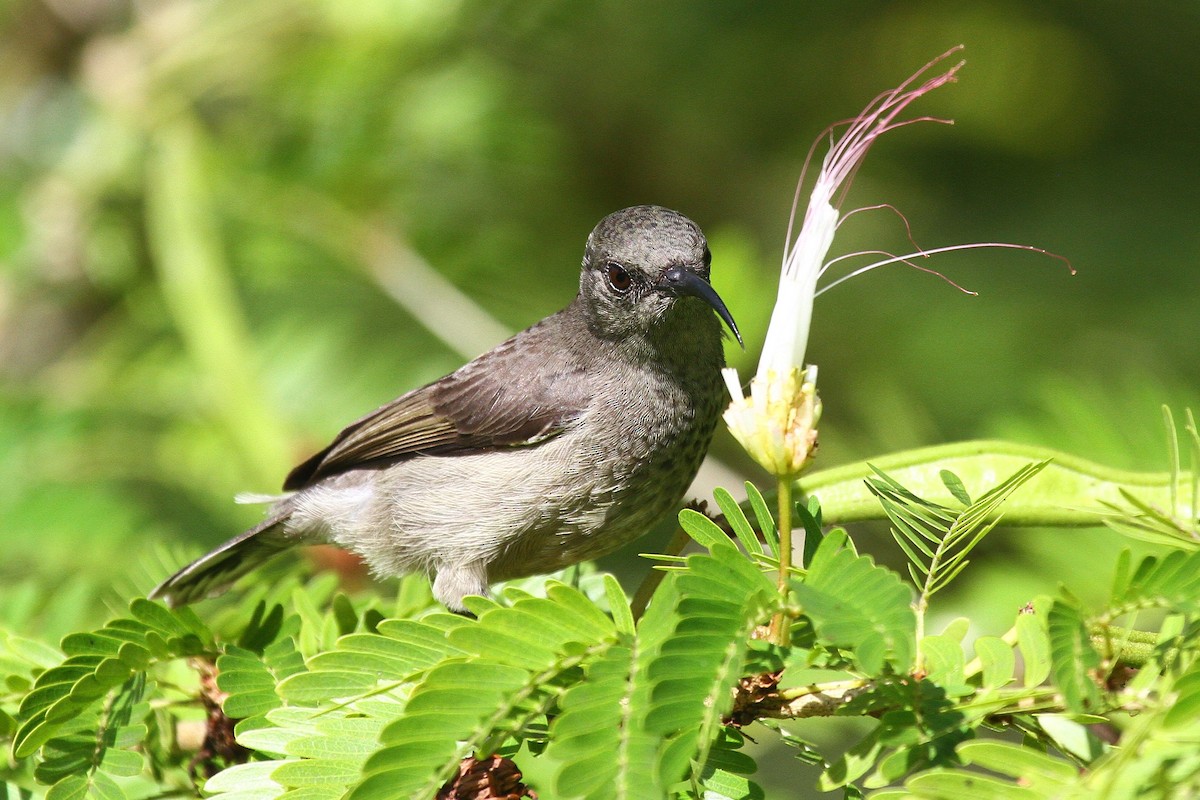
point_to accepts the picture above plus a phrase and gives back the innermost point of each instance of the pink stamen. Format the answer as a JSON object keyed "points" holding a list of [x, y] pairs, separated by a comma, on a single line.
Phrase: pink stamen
{"points": [[925, 254], [880, 207], [892, 258], [848, 143], [846, 153]]}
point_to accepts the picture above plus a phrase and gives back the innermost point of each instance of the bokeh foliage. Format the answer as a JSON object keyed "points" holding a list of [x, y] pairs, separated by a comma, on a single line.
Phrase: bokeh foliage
{"points": [[228, 227]]}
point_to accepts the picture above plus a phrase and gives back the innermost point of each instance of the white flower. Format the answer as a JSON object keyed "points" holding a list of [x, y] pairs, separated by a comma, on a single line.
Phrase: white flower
{"points": [[777, 422]]}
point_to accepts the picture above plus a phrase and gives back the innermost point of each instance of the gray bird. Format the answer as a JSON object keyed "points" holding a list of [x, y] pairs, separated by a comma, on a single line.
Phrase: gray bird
{"points": [[563, 443]]}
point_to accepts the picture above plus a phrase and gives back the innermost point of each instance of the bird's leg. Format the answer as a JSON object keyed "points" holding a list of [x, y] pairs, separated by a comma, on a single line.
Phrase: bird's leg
{"points": [[456, 581]]}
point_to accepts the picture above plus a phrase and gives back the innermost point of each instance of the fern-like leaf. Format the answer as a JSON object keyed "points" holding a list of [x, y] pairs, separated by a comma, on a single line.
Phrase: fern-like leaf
{"points": [[507, 679], [1171, 582], [249, 680], [599, 736], [1073, 658], [723, 597], [100, 662], [1178, 525], [936, 539], [854, 603]]}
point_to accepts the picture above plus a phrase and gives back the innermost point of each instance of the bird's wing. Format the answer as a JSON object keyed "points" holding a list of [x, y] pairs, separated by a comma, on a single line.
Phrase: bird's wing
{"points": [[508, 397]]}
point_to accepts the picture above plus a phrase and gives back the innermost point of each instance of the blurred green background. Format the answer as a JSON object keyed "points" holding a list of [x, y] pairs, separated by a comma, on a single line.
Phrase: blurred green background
{"points": [[229, 227]]}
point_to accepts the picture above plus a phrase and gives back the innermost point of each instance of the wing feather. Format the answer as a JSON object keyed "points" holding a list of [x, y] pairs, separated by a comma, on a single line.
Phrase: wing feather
{"points": [[512, 396]]}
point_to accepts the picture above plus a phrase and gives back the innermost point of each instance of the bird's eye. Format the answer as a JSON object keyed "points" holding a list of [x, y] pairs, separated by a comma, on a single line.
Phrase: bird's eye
{"points": [[618, 278]]}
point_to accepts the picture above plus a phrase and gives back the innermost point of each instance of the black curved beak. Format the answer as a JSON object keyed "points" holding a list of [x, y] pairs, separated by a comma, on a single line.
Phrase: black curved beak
{"points": [[678, 281]]}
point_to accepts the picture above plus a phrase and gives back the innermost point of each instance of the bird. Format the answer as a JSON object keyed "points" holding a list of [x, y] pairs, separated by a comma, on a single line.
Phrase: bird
{"points": [[559, 445]]}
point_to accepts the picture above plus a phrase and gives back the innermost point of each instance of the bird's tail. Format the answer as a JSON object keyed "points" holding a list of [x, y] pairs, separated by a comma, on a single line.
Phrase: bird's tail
{"points": [[212, 574]]}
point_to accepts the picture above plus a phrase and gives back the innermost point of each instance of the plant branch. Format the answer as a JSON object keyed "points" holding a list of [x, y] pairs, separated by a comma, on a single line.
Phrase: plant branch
{"points": [[780, 627], [1067, 493]]}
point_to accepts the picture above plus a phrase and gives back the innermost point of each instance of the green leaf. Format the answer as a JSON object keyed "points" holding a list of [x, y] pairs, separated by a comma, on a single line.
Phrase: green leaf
{"points": [[737, 520], [135, 656], [94, 744], [317, 772], [1021, 763], [158, 618], [954, 785], [1172, 581], [313, 793], [504, 680], [270, 739], [852, 764], [250, 781], [723, 597], [766, 523], [997, 660], [809, 517], [618, 605], [94, 643], [599, 736], [62, 694], [957, 629], [35, 652], [855, 604], [954, 485], [1034, 644], [944, 660], [1121, 578], [721, 785], [344, 746], [73, 787], [937, 540], [316, 686], [1185, 710], [8, 724], [123, 763], [1072, 737], [703, 530], [1073, 658]]}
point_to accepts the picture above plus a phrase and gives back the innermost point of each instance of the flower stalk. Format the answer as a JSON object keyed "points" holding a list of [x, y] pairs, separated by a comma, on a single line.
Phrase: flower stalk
{"points": [[777, 422], [781, 629]]}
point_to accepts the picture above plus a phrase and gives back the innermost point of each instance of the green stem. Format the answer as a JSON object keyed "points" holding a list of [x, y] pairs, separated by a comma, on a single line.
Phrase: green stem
{"points": [[780, 629], [1126, 646], [1067, 493], [922, 606]]}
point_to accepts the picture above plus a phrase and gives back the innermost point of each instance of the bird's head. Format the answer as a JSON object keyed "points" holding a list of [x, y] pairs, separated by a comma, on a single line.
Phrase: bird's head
{"points": [[640, 265]]}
